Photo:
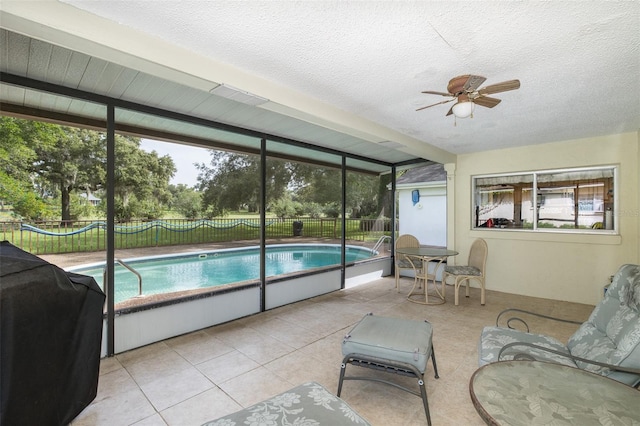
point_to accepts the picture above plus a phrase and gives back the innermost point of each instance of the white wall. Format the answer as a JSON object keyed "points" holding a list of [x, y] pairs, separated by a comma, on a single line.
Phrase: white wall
{"points": [[427, 220], [553, 265], [143, 327]]}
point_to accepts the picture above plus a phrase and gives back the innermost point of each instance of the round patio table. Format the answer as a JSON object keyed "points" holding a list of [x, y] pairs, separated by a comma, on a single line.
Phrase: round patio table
{"points": [[426, 255]]}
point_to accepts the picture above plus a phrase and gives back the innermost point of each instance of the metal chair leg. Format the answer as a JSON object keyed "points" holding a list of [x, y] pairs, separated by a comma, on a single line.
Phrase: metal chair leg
{"points": [[433, 360], [425, 402], [343, 368]]}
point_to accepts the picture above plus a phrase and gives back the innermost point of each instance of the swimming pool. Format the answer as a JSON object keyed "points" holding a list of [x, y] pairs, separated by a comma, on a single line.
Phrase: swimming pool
{"points": [[197, 270]]}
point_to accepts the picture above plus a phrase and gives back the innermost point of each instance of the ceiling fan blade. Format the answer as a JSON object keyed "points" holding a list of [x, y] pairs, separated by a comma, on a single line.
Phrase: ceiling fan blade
{"points": [[486, 101], [439, 103], [473, 83], [500, 87], [450, 111], [430, 92]]}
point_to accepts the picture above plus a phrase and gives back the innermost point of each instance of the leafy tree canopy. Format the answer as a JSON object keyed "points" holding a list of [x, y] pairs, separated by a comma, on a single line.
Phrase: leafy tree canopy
{"points": [[40, 161], [18, 140], [187, 201], [231, 181]]}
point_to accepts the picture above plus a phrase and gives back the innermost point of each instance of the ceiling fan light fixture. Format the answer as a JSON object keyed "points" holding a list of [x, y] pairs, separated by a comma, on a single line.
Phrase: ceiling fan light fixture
{"points": [[463, 109], [466, 91]]}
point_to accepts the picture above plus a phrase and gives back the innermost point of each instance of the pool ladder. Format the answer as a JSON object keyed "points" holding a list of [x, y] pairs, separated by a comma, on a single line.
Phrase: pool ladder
{"points": [[136, 273], [381, 241]]}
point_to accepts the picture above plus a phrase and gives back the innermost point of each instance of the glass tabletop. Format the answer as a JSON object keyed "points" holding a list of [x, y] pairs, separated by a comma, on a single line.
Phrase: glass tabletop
{"points": [[534, 392], [426, 251]]}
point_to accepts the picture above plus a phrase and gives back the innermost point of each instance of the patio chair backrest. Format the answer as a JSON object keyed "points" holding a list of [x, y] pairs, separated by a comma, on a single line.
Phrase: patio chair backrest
{"points": [[407, 240], [478, 255], [612, 333]]}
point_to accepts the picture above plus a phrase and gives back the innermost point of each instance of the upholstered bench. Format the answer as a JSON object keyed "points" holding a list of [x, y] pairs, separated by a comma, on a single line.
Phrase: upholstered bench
{"points": [[392, 345], [308, 404]]}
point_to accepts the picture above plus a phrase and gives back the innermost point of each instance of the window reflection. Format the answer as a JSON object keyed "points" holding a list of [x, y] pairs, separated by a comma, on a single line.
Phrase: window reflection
{"points": [[576, 199]]}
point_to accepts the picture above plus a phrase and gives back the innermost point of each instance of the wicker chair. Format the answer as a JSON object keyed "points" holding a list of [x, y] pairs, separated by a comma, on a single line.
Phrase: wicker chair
{"points": [[402, 262], [474, 270]]}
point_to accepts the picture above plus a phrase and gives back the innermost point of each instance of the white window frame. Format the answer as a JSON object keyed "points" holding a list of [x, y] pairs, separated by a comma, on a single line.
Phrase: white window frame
{"points": [[609, 224]]}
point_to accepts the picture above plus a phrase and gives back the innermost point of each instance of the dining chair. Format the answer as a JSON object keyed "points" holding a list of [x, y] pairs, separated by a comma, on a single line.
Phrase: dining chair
{"points": [[402, 262], [473, 270]]}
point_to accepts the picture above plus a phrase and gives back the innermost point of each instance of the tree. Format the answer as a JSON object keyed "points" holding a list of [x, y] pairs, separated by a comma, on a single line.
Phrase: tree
{"points": [[40, 161], [232, 182], [17, 140], [74, 160], [141, 179], [24, 201], [285, 207], [319, 184], [142, 174], [363, 198], [186, 201]]}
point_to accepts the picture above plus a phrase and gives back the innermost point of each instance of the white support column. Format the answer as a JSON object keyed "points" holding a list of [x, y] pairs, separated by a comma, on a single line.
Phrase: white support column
{"points": [[450, 168]]}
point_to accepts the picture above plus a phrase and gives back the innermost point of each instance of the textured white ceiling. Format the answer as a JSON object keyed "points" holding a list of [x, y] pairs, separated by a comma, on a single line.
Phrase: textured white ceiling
{"points": [[578, 62]]}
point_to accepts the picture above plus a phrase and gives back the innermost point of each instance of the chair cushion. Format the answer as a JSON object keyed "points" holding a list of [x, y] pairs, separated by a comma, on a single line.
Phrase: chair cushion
{"points": [[624, 351], [630, 287], [588, 342], [393, 339], [492, 340], [603, 312], [404, 263], [624, 290], [612, 333], [623, 326], [462, 270]]}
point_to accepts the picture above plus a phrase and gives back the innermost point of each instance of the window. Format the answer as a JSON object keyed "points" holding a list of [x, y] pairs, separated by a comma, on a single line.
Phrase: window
{"points": [[569, 199]]}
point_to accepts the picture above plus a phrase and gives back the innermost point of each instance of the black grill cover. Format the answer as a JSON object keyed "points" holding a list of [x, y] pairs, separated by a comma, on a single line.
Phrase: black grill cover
{"points": [[50, 342]]}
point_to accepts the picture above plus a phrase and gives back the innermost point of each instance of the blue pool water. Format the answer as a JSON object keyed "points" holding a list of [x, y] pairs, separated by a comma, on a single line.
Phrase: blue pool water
{"points": [[171, 273]]}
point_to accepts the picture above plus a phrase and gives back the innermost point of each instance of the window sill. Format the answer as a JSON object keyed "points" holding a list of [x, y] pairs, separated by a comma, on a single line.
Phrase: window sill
{"points": [[602, 237]]}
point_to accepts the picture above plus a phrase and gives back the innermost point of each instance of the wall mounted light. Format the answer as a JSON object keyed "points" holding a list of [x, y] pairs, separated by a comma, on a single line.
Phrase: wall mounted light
{"points": [[415, 196]]}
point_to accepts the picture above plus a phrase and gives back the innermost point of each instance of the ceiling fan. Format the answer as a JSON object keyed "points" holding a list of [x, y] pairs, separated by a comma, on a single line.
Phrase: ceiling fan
{"points": [[464, 90]]}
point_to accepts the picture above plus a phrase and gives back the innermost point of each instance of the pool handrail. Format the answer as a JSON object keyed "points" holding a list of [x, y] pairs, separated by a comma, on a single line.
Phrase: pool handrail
{"points": [[381, 241], [136, 273]]}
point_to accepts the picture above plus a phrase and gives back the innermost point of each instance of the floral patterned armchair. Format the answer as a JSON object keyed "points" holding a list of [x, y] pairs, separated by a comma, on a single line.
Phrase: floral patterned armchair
{"points": [[608, 343]]}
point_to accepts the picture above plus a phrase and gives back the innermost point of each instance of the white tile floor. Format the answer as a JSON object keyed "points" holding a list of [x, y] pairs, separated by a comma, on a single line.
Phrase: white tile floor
{"points": [[203, 375]]}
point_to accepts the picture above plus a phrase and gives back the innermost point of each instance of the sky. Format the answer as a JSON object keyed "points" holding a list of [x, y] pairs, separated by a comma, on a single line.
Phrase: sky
{"points": [[184, 156]]}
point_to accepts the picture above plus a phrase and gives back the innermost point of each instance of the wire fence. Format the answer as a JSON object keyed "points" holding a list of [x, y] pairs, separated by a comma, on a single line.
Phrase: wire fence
{"points": [[55, 237]]}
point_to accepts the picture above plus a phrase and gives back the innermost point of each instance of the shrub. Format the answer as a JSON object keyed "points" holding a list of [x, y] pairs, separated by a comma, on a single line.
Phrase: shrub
{"points": [[313, 210], [332, 210]]}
